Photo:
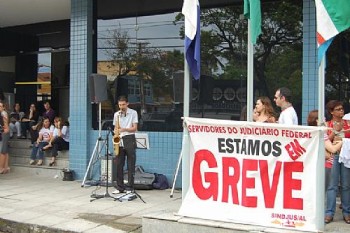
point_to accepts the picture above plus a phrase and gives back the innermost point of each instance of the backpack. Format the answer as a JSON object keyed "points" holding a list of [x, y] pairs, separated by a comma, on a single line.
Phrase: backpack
{"points": [[161, 182], [142, 180]]}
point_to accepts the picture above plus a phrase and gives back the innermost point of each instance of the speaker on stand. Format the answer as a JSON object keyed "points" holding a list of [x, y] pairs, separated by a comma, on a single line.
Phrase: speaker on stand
{"points": [[98, 94], [98, 88]]}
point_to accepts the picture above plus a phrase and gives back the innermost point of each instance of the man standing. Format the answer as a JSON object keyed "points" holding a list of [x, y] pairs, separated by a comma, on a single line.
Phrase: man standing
{"points": [[126, 119], [288, 115]]}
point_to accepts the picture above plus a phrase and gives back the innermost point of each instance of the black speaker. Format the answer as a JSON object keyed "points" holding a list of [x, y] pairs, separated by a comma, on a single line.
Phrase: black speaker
{"points": [[98, 88], [206, 84], [121, 86]]}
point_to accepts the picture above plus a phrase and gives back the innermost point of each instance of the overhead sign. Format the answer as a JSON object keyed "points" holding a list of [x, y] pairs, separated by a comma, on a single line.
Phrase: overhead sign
{"points": [[255, 173]]}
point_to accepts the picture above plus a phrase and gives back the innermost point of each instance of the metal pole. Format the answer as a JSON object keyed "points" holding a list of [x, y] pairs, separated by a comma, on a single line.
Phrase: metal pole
{"points": [[250, 76], [320, 162], [185, 142], [321, 95]]}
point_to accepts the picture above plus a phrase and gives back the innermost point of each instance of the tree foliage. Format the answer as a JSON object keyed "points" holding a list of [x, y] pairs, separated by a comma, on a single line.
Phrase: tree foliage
{"points": [[277, 56], [337, 68], [224, 44], [152, 64]]}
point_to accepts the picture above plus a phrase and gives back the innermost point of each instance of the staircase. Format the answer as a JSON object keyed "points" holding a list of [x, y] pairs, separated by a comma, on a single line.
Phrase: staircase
{"points": [[19, 154]]}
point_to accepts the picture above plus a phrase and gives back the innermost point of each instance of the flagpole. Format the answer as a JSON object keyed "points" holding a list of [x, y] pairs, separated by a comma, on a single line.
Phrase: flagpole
{"points": [[320, 178], [250, 75], [321, 93], [185, 138]]}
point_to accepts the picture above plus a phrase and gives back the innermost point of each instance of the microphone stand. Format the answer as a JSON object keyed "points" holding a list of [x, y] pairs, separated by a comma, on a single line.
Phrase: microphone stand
{"points": [[106, 194]]}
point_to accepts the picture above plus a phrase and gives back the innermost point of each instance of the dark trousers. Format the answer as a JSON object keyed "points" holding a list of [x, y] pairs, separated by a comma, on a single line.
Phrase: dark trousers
{"points": [[27, 126], [34, 134], [129, 151], [58, 144]]}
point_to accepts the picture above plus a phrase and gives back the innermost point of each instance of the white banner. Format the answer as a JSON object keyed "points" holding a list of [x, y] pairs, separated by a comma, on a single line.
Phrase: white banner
{"points": [[253, 173]]}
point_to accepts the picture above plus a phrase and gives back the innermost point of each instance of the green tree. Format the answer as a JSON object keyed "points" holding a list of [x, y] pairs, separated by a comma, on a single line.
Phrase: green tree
{"points": [[119, 51], [151, 64], [224, 42], [338, 68]]}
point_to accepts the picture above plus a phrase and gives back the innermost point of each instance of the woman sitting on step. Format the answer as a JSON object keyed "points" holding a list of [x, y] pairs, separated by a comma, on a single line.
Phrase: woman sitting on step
{"points": [[44, 138], [59, 140]]}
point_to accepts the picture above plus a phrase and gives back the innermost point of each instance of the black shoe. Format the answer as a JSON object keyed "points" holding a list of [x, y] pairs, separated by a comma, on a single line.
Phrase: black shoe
{"points": [[22, 137]]}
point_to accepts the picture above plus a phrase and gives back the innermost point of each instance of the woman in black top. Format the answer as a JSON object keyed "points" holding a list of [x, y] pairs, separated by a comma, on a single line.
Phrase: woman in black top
{"points": [[30, 119]]}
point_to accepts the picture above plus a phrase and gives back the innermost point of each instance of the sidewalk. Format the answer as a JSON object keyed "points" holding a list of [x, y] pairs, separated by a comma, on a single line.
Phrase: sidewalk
{"points": [[50, 203], [37, 204]]}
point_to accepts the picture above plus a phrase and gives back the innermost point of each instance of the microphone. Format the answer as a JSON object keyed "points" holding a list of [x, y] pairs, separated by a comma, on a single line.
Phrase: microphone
{"points": [[110, 130]]}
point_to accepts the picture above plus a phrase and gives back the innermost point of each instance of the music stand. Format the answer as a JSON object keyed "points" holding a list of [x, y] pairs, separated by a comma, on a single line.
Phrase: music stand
{"points": [[142, 141]]}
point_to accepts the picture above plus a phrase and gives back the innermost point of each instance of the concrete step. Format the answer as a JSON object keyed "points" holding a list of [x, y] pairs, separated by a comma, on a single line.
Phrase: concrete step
{"points": [[20, 151], [24, 160], [19, 143], [44, 171]]}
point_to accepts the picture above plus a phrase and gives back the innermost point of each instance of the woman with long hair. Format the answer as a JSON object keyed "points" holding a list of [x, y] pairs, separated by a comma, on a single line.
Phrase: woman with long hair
{"points": [[30, 119], [264, 110], [44, 137], [59, 139]]}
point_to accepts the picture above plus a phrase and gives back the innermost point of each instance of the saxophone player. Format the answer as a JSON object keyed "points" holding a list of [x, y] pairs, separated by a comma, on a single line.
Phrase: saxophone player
{"points": [[127, 122]]}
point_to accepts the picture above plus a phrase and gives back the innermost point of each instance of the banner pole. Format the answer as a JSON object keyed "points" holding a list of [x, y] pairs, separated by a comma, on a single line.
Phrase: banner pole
{"points": [[185, 139], [320, 171]]}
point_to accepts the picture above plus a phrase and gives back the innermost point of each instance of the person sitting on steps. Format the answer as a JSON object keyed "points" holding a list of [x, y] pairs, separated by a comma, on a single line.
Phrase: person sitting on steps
{"points": [[44, 137], [48, 113], [15, 120], [59, 140], [30, 119]]}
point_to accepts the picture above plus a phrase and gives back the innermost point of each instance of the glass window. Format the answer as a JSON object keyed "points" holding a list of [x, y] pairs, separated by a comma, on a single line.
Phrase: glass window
{"points": [[147, 54]]}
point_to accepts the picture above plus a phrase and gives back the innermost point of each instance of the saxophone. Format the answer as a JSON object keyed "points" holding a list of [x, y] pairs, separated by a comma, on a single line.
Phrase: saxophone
{"points": [[116, 137]]}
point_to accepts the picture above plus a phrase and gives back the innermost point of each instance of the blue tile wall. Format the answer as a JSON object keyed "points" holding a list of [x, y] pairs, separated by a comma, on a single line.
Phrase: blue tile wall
{"points": [[310, 68], [80, 68]]}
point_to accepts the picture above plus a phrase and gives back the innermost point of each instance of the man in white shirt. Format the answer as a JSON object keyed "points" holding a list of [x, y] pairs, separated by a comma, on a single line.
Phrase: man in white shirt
{"points": [[126, 119], [288, 115]]}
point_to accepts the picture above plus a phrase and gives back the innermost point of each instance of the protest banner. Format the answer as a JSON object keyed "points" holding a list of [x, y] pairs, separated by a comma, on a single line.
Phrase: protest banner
{"points": [[255, 173]]}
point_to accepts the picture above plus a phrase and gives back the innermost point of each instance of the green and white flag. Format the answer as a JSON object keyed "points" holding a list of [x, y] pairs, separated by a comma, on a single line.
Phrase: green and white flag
{"points": [[332, 18], [252, 11]]}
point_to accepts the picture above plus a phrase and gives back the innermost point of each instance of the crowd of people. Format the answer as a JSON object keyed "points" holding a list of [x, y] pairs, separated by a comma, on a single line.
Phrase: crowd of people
{"points": [[46, 132], [337, 171]]}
